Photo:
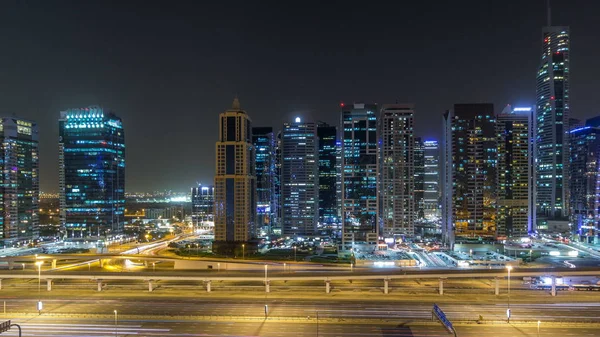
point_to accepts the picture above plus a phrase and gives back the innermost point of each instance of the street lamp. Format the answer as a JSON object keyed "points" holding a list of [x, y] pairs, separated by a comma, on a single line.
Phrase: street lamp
{"points": [[266, 271], [153, 266], [116, 321], [23, 264], [295, 248], [243, 251], [509, 268], [89, 266], [39, 304], [539, 328]]}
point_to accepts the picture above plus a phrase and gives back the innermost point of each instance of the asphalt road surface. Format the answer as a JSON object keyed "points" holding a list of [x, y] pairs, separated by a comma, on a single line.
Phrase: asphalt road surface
{"points": [[41, 326]]}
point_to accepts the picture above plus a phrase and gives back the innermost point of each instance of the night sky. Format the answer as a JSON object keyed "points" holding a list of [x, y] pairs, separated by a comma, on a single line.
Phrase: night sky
{"points": [[169, 68]]}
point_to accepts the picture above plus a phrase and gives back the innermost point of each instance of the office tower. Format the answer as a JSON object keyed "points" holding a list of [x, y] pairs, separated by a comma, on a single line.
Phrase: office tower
{"points": [[263, 140], [235, 181], [203, 200], [276, 228], [419, 180], [431, 193], [92, 171], [396, 170], [359, 175], [328, 174], [552, 128], [299, 179], [584, 181], [19, 186], [469, 172], [514, 133]]}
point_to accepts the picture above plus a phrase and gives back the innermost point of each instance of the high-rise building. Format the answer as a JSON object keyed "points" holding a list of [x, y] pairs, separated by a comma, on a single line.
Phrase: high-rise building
{"points": [[419, 173], [92, 172], [203, 200], [299, 179], [359, 175], [264, 140], [19, 185], [431, 193], [277, 214], [235, 180], [396, 170], [552, 128], [469, 172], [514, 134], [328, 174], [584, 181]]}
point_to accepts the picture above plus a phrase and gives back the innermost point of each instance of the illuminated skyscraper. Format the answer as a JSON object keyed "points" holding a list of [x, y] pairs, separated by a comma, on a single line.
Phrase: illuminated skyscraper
{"points": [[431, 193], [397, 170], [514, 132], [235, 181], [328, 169], [19, 185], [203, 201], [264, 140], [419, 173], [469, 173], [585, 181], [359, 175], [299, 179], [552, 118], [92, 172]]}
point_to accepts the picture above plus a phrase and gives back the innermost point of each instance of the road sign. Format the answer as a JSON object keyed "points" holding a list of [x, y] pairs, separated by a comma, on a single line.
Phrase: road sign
{"points": [[442, 318], [4, 326]]}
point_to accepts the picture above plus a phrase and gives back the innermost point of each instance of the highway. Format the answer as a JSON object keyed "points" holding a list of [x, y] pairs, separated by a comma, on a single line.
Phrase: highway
{"points": [[40, 326]]}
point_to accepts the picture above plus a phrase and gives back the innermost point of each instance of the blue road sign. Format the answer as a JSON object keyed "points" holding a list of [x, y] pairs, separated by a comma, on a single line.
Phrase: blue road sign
{"points": [[442, 318]]}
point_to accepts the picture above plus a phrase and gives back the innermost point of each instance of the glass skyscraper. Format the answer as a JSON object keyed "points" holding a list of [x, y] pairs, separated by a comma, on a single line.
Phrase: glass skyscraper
{"points": [[203, 199], [469, 186], [552, 129], [359, 175], [431, 190], [19, 182], [419, 174], [92, 172], [328, 198], [299, 179], [263, 140]]}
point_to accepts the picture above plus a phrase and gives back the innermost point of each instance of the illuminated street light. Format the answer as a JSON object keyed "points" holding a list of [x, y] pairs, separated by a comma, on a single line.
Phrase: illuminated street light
{"points": [[116, 322], [39, 304], [243, 251], [509, 268], [295, 253], [153, 266], [539, 328]]}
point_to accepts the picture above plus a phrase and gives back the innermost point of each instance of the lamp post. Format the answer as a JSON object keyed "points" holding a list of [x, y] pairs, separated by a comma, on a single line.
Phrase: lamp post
{"points": [[266, 271], [153, 266], [295, 248], [539, 328], [116, 322], [23, 264], [243, 251], [89, 266], [509, 268], [39, 304]]}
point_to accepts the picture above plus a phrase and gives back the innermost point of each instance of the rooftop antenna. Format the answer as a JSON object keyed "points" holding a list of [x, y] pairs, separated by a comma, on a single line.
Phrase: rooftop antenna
{"points": [[549, 18]]}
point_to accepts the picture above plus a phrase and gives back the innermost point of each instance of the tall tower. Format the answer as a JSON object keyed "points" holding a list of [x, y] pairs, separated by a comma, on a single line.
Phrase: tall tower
{"points": [[92, 172], [299, 179], [396, 170], [585, 181], [552, 119], [359, 175], [419, 173], [469, 186], [235, 181], [431, 190], [328, 174], [514, 132], [19, 183], [263, 140]]}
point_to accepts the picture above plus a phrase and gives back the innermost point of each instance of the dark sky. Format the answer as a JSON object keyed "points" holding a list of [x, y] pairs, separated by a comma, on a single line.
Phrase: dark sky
{"points": [[169, 68]]}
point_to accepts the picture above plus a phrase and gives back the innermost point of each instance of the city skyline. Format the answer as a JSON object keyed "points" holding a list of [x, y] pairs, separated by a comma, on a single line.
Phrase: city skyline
{"points": [[145, 72]]}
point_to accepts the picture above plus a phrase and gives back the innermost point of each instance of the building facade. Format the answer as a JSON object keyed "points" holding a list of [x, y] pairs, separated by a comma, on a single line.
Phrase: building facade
{"points": [[469, 187], [235, 180], [585, 182], [396, 188], [515, 162], [92, 172], [328, 175], [264, 140], [359, 175], [419, 173], [203, 201], [299, 179], [552, 124], [19, 183], [431, 185]]}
